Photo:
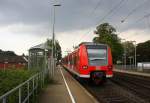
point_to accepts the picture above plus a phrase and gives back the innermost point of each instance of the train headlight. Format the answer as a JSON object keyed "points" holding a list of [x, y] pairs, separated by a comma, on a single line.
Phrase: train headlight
{"points": [[110, 67], [85, 67]]}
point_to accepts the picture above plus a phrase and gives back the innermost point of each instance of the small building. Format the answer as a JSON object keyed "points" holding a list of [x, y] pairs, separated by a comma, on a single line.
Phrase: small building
{"points": [[12, 62], [39, 56]]}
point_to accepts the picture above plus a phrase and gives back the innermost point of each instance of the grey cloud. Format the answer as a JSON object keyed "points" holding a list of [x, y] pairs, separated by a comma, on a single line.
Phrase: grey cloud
{"points": [[72, 15]]}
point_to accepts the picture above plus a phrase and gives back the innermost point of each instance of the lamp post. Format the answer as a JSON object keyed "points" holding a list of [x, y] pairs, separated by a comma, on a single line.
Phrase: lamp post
{"points": [[53, 40], [124, 53], [53, 37], [134, 53]]}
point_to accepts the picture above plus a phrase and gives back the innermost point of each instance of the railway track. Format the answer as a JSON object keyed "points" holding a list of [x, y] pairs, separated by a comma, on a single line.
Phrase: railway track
{"points": [[121, 89], [112, 93], [138, 85]]}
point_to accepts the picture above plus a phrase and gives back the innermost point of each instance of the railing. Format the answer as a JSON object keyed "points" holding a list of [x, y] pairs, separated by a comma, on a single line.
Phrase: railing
{"points": [[32, 85]]}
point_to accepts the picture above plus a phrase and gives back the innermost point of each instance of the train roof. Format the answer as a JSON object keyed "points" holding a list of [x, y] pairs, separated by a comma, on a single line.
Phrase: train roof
{"points": [[85, 43], [91, 43]]}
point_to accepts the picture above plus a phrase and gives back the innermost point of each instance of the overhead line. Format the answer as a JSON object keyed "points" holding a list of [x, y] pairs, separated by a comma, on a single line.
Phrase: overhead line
{"points": [[98, 4], [142, 18], [119, 7], [134, 10], [138, 20], [147, 24], [111, 10], [93, 11]]}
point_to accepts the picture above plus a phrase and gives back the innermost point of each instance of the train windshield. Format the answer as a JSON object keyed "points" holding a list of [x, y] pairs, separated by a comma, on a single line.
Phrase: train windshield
{"points": [[97, 55]]}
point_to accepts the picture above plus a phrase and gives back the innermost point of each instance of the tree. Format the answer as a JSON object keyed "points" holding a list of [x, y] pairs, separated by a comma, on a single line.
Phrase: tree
{"points": [[130, 51], [57, 48], [106, 35], [143, 52], [7, 53]]}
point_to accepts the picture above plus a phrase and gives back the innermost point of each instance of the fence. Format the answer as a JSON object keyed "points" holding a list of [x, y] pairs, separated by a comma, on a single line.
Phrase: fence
{"points": [[33, 84]]}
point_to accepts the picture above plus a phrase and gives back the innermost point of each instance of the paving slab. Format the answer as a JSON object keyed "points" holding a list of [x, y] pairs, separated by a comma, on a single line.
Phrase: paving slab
{"points": [[55, 92], [80, 94], [65, 89]]}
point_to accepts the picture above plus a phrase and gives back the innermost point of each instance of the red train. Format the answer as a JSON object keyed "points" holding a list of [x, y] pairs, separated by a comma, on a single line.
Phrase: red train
{"points": [[90, 60]]}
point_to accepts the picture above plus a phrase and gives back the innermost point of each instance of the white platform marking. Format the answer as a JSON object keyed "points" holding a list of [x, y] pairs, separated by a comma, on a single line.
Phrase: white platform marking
{"points": [[71, 96]]}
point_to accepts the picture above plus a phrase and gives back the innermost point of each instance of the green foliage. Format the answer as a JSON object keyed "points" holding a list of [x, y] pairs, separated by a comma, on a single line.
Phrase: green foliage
{"points": [[130, 48], [57, 48], [106, 34], [11, 78], [143, 52], [7, 53]]}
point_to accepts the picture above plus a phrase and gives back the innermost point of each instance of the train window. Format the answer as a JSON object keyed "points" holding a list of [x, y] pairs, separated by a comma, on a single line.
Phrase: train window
{"points": [[78, 59], [96, 46], [72, 59], [75, 59], [97, 56]]}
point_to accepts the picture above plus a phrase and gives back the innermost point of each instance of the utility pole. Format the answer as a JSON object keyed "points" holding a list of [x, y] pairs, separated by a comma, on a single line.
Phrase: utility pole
{"points": [[53, 41]]}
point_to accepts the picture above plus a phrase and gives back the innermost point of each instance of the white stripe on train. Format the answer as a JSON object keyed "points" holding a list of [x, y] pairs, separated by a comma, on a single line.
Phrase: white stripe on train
{"points": [[85, 76]]}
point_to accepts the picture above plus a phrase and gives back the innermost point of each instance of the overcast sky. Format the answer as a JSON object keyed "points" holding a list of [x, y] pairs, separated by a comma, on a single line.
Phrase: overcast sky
{"points": [[26, 23]]}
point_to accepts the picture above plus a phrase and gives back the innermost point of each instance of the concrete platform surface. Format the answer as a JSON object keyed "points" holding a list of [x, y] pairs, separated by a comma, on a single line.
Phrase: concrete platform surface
{"points": [[132, 72], [65, 89]]}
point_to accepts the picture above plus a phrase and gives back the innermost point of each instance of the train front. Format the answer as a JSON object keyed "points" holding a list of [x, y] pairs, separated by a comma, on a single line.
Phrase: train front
{"points": [[96, 62]]}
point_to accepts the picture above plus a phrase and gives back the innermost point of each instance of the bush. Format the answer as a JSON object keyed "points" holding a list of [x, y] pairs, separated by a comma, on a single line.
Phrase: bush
{"points": [[12, 78]]}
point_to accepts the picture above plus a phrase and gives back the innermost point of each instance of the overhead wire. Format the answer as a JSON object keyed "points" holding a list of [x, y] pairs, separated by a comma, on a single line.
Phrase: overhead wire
{"points": [[132, 11], [96, 7], [93, 11], [148, 21], [109, 12], [116, 6], [137, 21], [119, 7], [137, 34]]}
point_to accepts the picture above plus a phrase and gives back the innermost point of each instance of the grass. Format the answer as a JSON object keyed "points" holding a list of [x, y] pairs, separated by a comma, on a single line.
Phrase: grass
{"points": [[12, 78], [9, 79]]}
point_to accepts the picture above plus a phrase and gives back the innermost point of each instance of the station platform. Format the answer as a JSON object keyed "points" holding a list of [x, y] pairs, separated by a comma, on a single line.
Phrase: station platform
{"points": [[132, 72], [65, 89]]}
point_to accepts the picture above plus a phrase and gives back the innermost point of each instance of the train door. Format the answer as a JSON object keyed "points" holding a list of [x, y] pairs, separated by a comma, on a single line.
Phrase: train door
{"points": [[72, 62]]}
